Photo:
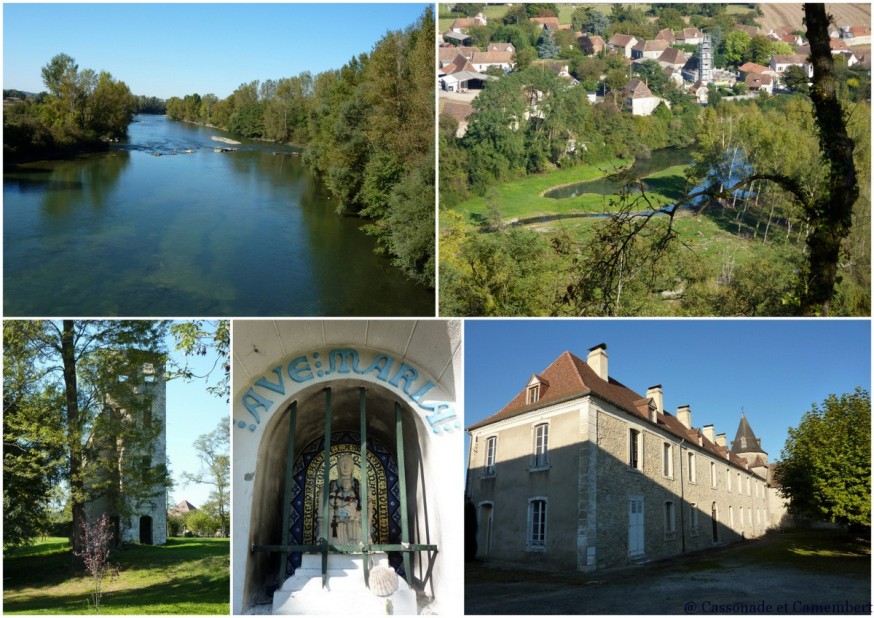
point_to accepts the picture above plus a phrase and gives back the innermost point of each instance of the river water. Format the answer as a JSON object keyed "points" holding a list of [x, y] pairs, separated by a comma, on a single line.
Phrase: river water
{"points": [[196, 233]]}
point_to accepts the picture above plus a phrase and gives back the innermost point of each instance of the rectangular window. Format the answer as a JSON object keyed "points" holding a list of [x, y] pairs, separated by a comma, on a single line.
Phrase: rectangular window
{"points": [[728, 479], [731, 516], [712, 474], [541, 444], [670, 525], [491, 447], [740, 514], [749, 491], [750, 516], [534, 393], [634, 449], [739, 486], [693, 474], [668, 460], [537, 523]]}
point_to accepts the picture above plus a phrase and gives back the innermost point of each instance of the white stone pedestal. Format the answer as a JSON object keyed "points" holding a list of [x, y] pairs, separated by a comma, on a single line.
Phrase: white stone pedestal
{"points": [[345, 592]]}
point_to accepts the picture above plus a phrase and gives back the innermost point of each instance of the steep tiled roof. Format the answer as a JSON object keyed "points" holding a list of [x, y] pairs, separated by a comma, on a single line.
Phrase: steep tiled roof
{"points": [[622, 40], [757, 80], [570, 377], [500, 47], [689, 33], [752, 67], [492, 57], [550, 23], [790, 59], [673, 56], [636, 89], [459, 111], [665, 35], [654, 45], [448, 54], [745, 441]]}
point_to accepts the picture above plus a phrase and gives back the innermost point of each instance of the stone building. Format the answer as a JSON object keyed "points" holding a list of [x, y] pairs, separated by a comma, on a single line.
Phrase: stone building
{"points": [[580, 472], [366, 407], [137, 510]]}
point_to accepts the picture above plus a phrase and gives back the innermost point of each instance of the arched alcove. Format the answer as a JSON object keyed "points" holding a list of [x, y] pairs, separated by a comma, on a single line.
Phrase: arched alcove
{"points": [[264, 571]]}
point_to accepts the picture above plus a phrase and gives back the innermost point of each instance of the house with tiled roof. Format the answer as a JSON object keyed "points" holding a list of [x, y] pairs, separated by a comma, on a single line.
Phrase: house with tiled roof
{"points": [[856, 35], [580, 472], [501, 46], [672, 57], [445, 55], [546, 23], [481, 61], [780, 63], [648, 49], [622, 44], [462, 24], [759, 81], [689, 36], [638, 99], [460, 112], [665, 35]]}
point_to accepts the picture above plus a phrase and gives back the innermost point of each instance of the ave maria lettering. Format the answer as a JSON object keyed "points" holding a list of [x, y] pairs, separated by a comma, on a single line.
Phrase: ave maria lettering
{"points": [[400, 376]]}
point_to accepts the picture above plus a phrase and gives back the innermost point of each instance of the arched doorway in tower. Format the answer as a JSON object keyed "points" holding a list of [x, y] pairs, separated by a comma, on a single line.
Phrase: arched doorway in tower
{"points": [[306, 440], [146, 530]]}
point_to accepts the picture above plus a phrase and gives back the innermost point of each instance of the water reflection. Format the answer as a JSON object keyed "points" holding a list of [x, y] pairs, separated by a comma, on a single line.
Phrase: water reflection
{"points": [[189, 233]]}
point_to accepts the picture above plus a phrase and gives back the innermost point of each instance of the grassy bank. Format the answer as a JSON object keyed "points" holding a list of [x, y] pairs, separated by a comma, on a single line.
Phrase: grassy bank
{"points": [[524, 198], [185, 576]]}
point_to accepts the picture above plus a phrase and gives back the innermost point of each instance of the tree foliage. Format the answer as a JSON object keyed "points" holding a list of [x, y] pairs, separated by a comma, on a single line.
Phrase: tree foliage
{"points": [[369, 132], [213, 450], [826, 463], [82, 110], [89, 371]]}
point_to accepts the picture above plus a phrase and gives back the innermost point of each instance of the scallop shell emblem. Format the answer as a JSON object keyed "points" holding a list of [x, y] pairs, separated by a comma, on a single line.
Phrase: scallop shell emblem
{"points": [[383, 581]]}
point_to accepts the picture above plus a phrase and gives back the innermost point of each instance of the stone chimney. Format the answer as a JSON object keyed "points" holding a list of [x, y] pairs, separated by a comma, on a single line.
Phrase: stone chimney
{"points": [[655, 393], [597, 360], [708, 433], [720, 439], [684, 415]]}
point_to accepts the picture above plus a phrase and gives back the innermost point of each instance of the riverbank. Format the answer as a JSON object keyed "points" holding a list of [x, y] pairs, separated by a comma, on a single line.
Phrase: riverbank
{"points": [[525, 199]]}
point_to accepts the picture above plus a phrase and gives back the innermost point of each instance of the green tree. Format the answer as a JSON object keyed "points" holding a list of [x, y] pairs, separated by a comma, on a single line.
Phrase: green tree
{"points": [[735, 46], [202, 338], [826, 463], [796, 79], [213, 450], [759, 50], [79, 362], [671, 18], [547, 47]]}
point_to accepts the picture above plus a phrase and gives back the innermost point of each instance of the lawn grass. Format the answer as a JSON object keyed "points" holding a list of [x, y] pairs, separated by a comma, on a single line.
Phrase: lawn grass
{"points": [[185, 576], [524, 199]]}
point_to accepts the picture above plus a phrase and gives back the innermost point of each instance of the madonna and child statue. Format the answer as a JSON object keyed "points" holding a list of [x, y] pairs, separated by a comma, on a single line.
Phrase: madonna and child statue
{"points": [[345, 508]]}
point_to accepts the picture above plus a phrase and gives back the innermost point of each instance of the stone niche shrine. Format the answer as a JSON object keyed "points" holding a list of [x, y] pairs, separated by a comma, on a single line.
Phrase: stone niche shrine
{"points": [[347, 467]]}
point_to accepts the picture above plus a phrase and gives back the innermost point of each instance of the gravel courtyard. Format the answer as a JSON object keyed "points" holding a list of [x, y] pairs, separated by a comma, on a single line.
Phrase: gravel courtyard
{"points": [[799, 572]]}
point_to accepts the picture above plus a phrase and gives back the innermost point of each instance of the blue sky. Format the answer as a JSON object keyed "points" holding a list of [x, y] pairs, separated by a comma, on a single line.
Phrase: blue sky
{"points": [[191, 412], [772, 369], [169, 50]]}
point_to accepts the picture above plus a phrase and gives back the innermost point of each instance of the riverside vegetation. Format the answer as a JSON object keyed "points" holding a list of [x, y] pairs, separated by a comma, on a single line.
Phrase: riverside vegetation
{"points": [[368, 130], [752, 204]]}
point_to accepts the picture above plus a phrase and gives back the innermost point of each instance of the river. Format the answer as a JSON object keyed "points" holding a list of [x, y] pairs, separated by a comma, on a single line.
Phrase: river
{"points": [[199, 233]]}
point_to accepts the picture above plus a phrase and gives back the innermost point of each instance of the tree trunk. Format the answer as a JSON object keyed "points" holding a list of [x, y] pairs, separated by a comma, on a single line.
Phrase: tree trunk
{"points": [[831, 212], [74, 433]]}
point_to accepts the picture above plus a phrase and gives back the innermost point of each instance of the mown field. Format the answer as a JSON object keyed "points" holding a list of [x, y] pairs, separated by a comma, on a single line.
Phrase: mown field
{"points": [[185, 576]]}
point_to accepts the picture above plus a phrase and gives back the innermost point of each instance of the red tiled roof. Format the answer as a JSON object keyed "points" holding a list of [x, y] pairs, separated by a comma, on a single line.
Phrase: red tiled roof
{"points": [[654, 45], [752, 67], [622, 40], [665, 35], [549, 22], [570, 377], [459, 111], [673, 55]]}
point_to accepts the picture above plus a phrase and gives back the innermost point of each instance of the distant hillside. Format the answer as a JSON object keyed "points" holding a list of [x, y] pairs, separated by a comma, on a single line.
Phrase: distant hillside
{"points": [[791, 14]]}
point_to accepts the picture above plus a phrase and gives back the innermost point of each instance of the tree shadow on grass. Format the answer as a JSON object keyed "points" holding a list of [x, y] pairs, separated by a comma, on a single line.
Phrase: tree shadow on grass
{"points": [[199, 592]]}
